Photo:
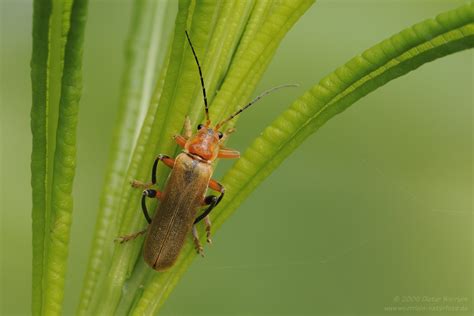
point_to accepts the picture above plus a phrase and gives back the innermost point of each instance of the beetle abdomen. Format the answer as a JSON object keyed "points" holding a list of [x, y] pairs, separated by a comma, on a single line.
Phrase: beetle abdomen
{"points": [[177, 211]]}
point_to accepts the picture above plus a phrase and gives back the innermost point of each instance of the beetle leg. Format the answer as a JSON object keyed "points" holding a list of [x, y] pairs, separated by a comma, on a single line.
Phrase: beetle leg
{"points": [[147, 193], [226, 134], [212, 201], [167, 160], [125, 238], [188, 131], [151, 194], [228, 153], [207, 222], [180, 140], [197, 243], [216, 186]]}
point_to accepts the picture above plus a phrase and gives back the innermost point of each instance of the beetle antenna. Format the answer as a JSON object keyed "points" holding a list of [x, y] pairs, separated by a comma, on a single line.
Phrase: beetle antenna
{"points": [[200, 76], [264, 93]]}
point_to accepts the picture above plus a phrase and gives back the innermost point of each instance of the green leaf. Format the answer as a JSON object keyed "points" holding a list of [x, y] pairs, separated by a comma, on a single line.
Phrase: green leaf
{"points": [[447, 33], [218, 29], [58, 29], [144, 56], [235, 41], [261, 44]]}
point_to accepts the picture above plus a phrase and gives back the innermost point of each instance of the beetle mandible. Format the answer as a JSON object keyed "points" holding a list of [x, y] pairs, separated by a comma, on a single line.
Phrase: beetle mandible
{"points": [[186, 187]]}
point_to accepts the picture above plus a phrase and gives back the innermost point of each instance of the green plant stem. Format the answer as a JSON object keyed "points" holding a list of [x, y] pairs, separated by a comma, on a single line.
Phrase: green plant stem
{"points": [[157, 289], [58, 30], [216, 28], [235, 42], [108, 292], [144, 53], [252, 60], [420, 44], [448, 33], [40, 151]]}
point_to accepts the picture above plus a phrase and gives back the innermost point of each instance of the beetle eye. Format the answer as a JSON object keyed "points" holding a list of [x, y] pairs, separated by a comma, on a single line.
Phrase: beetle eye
{"points": [[220, 135], [200, 126]]}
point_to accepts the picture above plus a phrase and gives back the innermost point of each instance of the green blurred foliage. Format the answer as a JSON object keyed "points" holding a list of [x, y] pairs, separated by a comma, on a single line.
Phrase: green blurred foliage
{"points": [[377, 206]]}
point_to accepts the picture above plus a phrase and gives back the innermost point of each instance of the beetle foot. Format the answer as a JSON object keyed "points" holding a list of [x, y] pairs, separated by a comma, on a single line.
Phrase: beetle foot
{"points": [[200, 250], [208, 236], [207, 222], [140, 184], [198, 247], [125, 238], [122, 239], [197, 243]]}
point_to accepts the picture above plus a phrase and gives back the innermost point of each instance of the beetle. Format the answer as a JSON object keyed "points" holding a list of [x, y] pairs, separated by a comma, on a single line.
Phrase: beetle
{"points": [[186, 187]]}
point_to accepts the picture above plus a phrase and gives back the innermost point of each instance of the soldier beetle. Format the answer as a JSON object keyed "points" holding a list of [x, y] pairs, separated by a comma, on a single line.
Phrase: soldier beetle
{"points": [[186, 187]]}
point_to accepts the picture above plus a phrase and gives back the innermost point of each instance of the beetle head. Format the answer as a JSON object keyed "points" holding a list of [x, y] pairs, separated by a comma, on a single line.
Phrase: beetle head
{"points": [[205, 143]]}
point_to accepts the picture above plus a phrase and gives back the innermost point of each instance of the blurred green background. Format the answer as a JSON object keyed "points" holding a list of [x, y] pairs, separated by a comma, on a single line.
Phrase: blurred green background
{"points": [[373, 211]]}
